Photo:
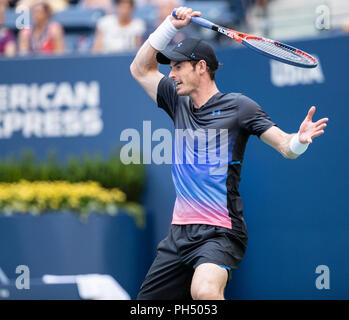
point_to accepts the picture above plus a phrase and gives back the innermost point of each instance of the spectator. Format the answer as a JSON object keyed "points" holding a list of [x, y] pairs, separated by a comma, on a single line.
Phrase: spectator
{"points": [[7, 39], [119, 32], [164, 8], [106, 5], [44, 36], [345, 26], [56, 5], [12, 3]]}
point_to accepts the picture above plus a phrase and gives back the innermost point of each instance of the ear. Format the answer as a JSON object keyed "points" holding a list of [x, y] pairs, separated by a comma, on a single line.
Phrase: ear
{"points": [[202, 66]]}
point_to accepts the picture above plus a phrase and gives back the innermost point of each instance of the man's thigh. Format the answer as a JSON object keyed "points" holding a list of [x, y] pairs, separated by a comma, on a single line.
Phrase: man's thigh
{"points": [[189, 248], [209, 281], [168, 278]]}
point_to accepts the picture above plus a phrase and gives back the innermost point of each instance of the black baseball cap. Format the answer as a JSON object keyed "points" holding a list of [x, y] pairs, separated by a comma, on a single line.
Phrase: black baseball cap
{"points": [[189, 49]]}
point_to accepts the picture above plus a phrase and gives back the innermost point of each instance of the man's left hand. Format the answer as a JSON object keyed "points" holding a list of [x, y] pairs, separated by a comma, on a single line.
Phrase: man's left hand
{"points": [[309, 129]]}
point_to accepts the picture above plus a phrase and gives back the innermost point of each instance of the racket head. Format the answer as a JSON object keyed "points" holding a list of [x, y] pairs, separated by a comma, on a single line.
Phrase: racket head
{"points": [[270, 48], [279, 51]]}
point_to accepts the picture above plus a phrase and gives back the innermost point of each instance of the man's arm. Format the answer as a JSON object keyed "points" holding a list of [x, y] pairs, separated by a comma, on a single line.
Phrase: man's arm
{"points": [[289, 144], [280, 141], [144, 67]]}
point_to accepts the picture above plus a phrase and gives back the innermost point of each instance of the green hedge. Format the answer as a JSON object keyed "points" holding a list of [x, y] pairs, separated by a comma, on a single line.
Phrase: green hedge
{"points": [[110, 172]]}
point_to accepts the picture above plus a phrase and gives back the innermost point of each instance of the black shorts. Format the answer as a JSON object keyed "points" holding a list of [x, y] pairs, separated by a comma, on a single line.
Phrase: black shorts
{"points": [[185, 248]]}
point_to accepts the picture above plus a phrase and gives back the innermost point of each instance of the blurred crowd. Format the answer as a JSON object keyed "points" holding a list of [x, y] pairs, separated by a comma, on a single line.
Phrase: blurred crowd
{"points": [[117, 30]]}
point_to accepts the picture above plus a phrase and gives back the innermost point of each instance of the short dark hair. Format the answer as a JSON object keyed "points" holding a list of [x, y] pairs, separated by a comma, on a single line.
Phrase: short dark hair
{"points": [[131, 2], [212, 73]]}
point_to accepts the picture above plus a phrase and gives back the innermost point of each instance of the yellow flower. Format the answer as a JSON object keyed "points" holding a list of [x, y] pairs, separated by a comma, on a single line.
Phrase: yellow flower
{"points": [[46, 195]]}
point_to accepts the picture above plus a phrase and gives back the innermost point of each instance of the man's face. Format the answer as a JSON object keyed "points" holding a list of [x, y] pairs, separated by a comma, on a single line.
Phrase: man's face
{"points": [[185, 76]]}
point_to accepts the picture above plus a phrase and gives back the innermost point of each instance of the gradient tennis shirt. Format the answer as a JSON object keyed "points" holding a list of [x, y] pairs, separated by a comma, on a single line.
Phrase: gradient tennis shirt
{"points": [[207, 154]]}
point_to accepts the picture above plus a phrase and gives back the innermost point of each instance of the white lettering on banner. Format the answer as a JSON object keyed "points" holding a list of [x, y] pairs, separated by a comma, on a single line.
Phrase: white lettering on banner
{"points": [[63, 96], [33, 96], [44, 94], [3, 97], [286, 75], [50, 110], [18, 96]]}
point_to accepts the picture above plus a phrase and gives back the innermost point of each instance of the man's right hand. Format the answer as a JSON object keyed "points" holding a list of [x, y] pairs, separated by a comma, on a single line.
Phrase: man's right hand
{"points": [[184, 15], [144, 67]]}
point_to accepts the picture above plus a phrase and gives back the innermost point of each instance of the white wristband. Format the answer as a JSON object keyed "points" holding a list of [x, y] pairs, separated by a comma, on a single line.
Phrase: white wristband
{"points": [[162, 36], [297, 147]]}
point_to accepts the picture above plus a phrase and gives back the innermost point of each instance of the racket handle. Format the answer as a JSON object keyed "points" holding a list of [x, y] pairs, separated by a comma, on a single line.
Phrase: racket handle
{"points": [[200, 21]]}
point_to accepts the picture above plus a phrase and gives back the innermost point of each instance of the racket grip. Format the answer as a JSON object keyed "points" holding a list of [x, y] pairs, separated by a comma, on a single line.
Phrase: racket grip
{"points": [[200, 21]]}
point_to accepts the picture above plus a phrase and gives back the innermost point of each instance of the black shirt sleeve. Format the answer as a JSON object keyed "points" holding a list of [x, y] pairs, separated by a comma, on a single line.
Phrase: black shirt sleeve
{"points": [[167, 97], [252, 117]]}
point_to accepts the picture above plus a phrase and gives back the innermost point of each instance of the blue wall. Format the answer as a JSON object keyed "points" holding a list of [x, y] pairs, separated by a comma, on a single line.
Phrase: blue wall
{"points": [[296, 210], [62, 244]]}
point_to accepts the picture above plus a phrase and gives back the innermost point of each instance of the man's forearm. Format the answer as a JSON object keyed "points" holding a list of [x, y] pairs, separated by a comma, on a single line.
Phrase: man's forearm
{"points": [[283, 142], [285, 149], [145, 60]]}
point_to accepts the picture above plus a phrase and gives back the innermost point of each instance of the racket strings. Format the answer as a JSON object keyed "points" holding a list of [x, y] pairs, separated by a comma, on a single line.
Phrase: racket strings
{"points": [[279, 51]]}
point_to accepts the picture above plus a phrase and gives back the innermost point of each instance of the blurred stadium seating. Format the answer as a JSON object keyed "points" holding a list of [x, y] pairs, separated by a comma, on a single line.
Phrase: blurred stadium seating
{"points": [[79, 23], [278, 19], [79, 26], [284, 19]]}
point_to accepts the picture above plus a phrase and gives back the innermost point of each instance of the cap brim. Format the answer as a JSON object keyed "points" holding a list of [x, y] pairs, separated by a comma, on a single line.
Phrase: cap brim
{"points": [[166, 56]]}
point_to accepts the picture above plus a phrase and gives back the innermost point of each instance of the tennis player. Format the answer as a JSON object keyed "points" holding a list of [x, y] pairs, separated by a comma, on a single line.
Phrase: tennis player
{"points": [[208, 236]]}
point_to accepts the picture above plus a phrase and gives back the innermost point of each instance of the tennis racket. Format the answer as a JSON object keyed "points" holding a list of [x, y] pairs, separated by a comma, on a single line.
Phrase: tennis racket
{"points": [[270, 48]]}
